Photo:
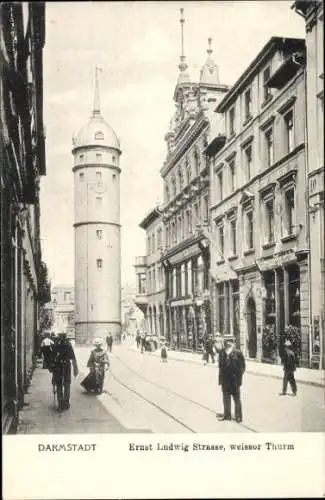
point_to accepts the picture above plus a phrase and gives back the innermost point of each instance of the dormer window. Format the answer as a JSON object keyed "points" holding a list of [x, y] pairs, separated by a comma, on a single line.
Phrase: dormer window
{"points": [[99, 136]]}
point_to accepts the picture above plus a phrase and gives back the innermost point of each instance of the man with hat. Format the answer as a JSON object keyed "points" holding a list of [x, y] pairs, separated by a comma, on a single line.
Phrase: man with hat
{"points": [[231, 370], [289, 368], [62, 356]]}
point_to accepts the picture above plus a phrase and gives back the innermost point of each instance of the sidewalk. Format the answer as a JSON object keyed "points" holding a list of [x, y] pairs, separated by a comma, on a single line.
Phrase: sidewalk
{"points": [[303, 375], [86, 414]]}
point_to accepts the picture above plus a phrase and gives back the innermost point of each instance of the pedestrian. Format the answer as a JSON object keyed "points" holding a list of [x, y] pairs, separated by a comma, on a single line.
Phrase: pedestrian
{"points": [[46, 349], [62, 355], [209, 349], [98, 363], [138, 339], [231, 370], [143, 342], [163, 352], [109, 342], [289, 368]]}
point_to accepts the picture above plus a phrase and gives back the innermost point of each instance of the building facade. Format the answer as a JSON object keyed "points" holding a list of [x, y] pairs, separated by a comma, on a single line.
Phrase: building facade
{"points": [[96, 151], [22, 38], [185, 174], [313, 13], [132, 316], [63, 305], [258, 206], [150, 293]]}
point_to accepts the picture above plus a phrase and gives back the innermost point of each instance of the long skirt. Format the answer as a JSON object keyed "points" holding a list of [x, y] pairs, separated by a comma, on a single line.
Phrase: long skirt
{"points": [[94, 381]]}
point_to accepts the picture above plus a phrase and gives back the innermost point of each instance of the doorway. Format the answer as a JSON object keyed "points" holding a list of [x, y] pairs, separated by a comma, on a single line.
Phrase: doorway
{"points": [[251, 327]]}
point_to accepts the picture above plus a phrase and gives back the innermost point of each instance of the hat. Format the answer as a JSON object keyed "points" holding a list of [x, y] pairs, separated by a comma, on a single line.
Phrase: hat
{"points": [[62, 334], [287, 342], [98, 341], [229, 340]]}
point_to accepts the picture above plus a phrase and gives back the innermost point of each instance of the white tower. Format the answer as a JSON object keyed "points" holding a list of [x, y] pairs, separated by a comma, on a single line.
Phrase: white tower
{"points": [[96, 151]]}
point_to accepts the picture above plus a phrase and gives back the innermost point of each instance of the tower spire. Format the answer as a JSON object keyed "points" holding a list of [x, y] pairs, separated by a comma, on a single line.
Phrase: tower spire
{"points": [[183, 77], [96, 108]]}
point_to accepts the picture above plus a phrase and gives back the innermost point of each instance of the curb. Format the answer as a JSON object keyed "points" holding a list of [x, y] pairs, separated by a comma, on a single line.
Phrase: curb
{"points": [[250, 371]]}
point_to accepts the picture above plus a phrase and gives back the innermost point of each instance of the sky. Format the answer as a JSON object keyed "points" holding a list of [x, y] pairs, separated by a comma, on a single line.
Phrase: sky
{"points": [[137, 44]]}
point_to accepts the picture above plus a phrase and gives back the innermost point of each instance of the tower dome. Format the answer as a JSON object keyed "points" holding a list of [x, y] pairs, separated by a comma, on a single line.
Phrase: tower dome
{"points": [[210, 71], [96, 132]]}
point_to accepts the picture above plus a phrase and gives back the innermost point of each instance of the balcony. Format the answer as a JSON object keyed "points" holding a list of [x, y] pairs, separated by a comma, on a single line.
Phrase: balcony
{"points": [[141, 301], [140, 261]]}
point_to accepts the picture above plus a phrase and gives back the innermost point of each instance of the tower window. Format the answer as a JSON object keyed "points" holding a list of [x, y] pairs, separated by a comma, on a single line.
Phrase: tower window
{"points": [[99, 234], [99, 135], [113, 159], [98, 156], [98, 176], [98, 201], [81, 176], [81, 157], [114, 177], [99, 263]]}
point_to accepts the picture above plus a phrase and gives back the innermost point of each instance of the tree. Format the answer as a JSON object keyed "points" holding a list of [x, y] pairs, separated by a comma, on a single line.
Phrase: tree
{"points": [[44, 286]]}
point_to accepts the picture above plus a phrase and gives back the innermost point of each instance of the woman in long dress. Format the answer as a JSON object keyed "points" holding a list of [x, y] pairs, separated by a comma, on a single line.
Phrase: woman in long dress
{"points": [[98, 363]]}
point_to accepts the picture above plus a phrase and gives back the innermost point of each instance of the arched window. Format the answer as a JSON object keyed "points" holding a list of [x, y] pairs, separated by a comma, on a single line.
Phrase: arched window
{"points": [[99, 135]]}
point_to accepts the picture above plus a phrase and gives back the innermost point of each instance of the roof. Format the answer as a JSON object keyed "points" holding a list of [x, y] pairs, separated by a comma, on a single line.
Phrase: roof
{"points": [[275, 43], [96, 132], [151, 216]]}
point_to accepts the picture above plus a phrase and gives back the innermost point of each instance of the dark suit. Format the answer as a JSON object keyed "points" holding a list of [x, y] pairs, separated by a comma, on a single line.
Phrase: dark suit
{"points": [[289, 368], [231, 369]]}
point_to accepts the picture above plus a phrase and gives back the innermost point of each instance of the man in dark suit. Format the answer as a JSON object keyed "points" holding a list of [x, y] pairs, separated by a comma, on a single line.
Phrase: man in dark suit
{"points": [[231, 370], [289, 368]]}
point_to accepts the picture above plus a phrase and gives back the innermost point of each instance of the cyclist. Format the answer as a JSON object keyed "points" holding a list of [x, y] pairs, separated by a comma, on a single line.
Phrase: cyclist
{"points": [[62, 356]]}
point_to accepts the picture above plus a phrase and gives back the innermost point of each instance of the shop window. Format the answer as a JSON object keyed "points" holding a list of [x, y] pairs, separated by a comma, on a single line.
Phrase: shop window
{"points": [[221, 308], [235, 311], [294, 295]]}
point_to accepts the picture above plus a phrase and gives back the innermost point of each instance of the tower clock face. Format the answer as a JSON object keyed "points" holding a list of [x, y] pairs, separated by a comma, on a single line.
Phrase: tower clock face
{"points": [[100, 188]]}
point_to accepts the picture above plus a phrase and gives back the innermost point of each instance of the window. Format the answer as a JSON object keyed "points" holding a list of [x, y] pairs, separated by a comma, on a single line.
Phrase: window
{"points": [[99, 234], [248, 162], [269, 220], [233, 236], [249, 230], [98, 176], [98, 156], [174, 233], [289, 201], [266, 89], [248, 104], [205, 209], [173, 186], [221, 240], [149, 245], [153, 280], [167, 193], [113, 159], [269, 147], [99, 263], [153, 242], [81, 177], [66, 296], [221, 308], [159, 238], [232, 121], [220, 184], [232, 171], [98, 201], [114, 177], [99, 135], [180, 180], [188, 172], [81, 157], [196, 219], [289, 132]]}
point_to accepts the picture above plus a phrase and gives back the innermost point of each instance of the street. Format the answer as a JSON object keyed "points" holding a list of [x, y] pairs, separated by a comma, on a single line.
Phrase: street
{"points": [[141, 394]]}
